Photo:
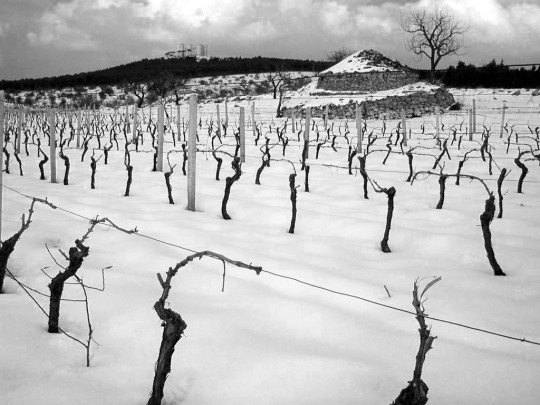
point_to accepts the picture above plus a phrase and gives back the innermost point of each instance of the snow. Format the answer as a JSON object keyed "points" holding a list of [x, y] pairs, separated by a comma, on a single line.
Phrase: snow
{"points": [[363, 62], [271, 340], [310, 96]]}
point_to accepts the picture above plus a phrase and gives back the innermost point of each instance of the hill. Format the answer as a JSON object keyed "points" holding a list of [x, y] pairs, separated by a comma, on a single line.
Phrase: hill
{"points": [[148, 69]]}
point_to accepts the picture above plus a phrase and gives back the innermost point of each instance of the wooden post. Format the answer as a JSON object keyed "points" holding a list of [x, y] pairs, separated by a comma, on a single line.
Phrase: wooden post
{"points": [[127, 118], [178, 123], [192, 152], [502, 121], [19, 129], [470, 125], [293, 127], [87, 118], [437, 124], [358, 129], [253, 123], [92, 120], [404, 127], [52, 142], [326, 117], [474, 115], [79, 118], [135, 113], [226, 114], [2, 111], [242, 135], [306, 131], [218, 120], [161, 124]]}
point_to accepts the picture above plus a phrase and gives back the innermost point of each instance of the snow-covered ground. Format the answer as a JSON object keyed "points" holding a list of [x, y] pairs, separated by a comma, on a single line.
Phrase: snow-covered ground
{"points": [[363, 61], [268, 339]]}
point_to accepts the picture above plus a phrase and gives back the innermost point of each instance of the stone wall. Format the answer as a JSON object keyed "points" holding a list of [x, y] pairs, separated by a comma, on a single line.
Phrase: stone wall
{"points": [[415, 105], [370, 82]]}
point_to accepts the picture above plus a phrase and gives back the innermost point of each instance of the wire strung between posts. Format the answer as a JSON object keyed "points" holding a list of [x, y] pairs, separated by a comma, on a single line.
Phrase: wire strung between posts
{"points": [[316, 286], [105, 224], [397, 309]]}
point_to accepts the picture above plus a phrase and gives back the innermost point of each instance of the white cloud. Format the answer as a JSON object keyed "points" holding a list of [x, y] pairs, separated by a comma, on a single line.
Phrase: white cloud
{"points": [[525, 19], [193, 14], [492, 21], [106, 4], [378, 19], [260, 30], [4, 27], [57, 28], [336, 18], [285, 6]]}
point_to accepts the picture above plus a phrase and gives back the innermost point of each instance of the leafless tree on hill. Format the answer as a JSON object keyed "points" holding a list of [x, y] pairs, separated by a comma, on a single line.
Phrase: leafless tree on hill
{"points": [[137, 88], [178, 87], [277, 78], [166, 85], [434, 34], [286, 83], [160, 86]]}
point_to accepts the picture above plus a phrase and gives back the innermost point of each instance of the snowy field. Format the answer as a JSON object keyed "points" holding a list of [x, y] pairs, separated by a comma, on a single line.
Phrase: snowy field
{"points": [[268, 339]]}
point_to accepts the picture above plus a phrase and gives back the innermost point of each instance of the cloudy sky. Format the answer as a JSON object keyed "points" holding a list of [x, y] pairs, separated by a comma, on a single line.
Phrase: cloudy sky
{"points": [[53, 37]]}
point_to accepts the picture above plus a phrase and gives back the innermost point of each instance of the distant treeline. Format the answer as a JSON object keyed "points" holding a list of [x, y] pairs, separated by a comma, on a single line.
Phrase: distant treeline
{"points": [[148, 69], [491, 75]]}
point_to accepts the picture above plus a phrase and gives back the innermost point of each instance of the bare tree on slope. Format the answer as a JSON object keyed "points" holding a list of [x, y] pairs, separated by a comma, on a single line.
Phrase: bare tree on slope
{"points": [[434, 34]]}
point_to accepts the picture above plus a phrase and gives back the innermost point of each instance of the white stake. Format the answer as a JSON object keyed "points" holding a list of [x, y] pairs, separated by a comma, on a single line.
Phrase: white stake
{"points": [[1, 156], [226, 114], [502, 121], [404, 127], [242, 135], [161, 123], [178, 123], [19, 129], [358, 129], [293, 127], [474, 115], [79, 118], [52, 142], [218, 120], [437, 119], [135, 113], [306, 131], [192, 152], [253, 123], [326, 117], [470, 125], [127, 118]]}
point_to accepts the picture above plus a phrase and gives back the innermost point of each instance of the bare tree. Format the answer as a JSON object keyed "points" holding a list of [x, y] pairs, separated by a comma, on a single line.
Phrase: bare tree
{"points": [[167, 84], [138, 88], [277, 78], [339, 54], [160, 86], [178, 87], [433, 34], [285, 84]]}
